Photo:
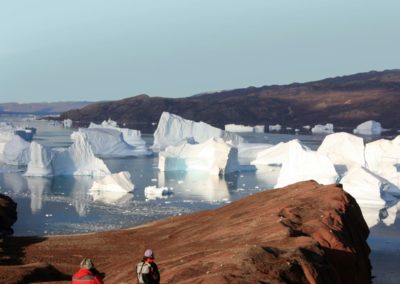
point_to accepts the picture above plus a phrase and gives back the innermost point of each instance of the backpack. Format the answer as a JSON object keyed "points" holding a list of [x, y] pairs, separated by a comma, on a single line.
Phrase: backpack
{"points": [[142, 268]]}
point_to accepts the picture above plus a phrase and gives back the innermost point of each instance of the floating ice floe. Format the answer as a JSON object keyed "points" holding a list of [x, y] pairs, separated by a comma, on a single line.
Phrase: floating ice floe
{"points": [[369, 127], [214, 156], [119, 182], [108, 142], [275, 127], [322, 129], [78, 159], [370, 191], [153, 192], [383, 158], [344, 150], [244, 128], [172, 129]]}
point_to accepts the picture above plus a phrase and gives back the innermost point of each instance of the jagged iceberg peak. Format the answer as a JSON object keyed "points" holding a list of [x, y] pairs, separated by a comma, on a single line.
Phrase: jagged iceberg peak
{"points": [[40, 161], [78, 159], [172, 129], [214, 156]]}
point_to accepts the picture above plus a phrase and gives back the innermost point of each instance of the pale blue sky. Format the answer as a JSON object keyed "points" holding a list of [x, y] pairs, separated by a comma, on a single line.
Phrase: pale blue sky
{"points": [[107, 50]]}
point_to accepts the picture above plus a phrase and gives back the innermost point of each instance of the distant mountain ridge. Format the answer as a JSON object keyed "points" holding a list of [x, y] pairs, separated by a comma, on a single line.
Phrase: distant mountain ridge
{"points": [[40, 108], [344, 101]]}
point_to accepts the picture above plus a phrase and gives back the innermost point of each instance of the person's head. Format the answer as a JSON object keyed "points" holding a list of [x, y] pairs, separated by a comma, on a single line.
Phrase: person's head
{"points": [[87, 263], [148, 253]]}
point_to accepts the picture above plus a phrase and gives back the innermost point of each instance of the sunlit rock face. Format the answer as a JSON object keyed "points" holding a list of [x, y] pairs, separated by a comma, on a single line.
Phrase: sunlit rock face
{"points": [[214, 156], [172, 129]]}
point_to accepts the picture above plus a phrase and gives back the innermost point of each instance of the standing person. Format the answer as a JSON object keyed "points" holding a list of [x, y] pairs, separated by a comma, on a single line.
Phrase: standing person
{"points": [[87, 274], [147, 270]]}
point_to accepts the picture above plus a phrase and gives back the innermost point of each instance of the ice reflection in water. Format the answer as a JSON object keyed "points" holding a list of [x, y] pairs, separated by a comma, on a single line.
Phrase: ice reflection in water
{"points": [[38, 186]]}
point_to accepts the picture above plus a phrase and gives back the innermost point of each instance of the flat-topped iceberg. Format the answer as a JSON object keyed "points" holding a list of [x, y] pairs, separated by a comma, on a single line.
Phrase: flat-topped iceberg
{"points": [[130, 136], [173, 129], [244, 128], [214, 156], [369, 127], [108, 142], [344, 150], [119, 182], [322, 129], [275, 127], [78, 159]]}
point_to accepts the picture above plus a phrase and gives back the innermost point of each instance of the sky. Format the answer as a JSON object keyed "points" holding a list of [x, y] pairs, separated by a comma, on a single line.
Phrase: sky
{"points": [[92, 50]]}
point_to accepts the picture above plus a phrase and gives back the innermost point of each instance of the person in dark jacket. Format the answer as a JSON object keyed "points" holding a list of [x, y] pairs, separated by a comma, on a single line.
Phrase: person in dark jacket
{"points": [[87, 274], [147, 270]]}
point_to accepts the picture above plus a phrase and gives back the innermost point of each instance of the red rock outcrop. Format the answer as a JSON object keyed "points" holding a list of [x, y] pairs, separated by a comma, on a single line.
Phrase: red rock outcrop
{"points": [[8, 214], [303, 233]]}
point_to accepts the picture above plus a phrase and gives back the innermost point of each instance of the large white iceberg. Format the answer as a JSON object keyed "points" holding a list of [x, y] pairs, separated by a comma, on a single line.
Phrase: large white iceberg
{"points": [[276, 155], [130, 136], [249, 151], [369, 127], [322, 129], [13, 149], [119, 182], [78, 159], [383, 158], [303, 164], [344, 150], [108, 142], [214, 156], [40, 161], [173, 129], [369, 190]]}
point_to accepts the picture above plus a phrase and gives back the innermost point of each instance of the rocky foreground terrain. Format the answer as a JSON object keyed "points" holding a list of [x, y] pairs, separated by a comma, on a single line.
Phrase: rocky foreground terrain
{"points": [[344, 101], [303, 233]]}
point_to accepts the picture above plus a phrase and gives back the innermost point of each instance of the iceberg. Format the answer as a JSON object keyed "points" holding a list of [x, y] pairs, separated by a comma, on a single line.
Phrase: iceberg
{"points": [[275, 127], [153, 192], [383, 158], [303, 164], [78, 159], [369, 127], [108, 142], [248, 151], [369, 191], [109, 197], [344, 150], [278, 154], [172, 129], [130, 136], [67, 123], [214, 156], [40, 161], [244, 128], [13, 149], [119, 182], [322, 129]]}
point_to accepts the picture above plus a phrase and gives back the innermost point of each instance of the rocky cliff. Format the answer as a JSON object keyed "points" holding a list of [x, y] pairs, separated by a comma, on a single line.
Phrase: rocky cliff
{"points": [[303, 233], [344, 101]]}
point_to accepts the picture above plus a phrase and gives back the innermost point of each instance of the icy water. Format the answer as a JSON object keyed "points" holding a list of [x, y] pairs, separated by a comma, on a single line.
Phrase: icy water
{"points": [[62, 205]]}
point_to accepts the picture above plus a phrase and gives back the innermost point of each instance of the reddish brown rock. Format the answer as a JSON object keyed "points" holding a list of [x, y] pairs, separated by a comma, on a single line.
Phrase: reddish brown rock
{"points": [[8, 214], [303, 233]]}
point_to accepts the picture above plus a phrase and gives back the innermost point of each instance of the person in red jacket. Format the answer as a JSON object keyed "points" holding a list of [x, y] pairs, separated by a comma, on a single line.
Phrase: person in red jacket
{"points": [[87, 274]]}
